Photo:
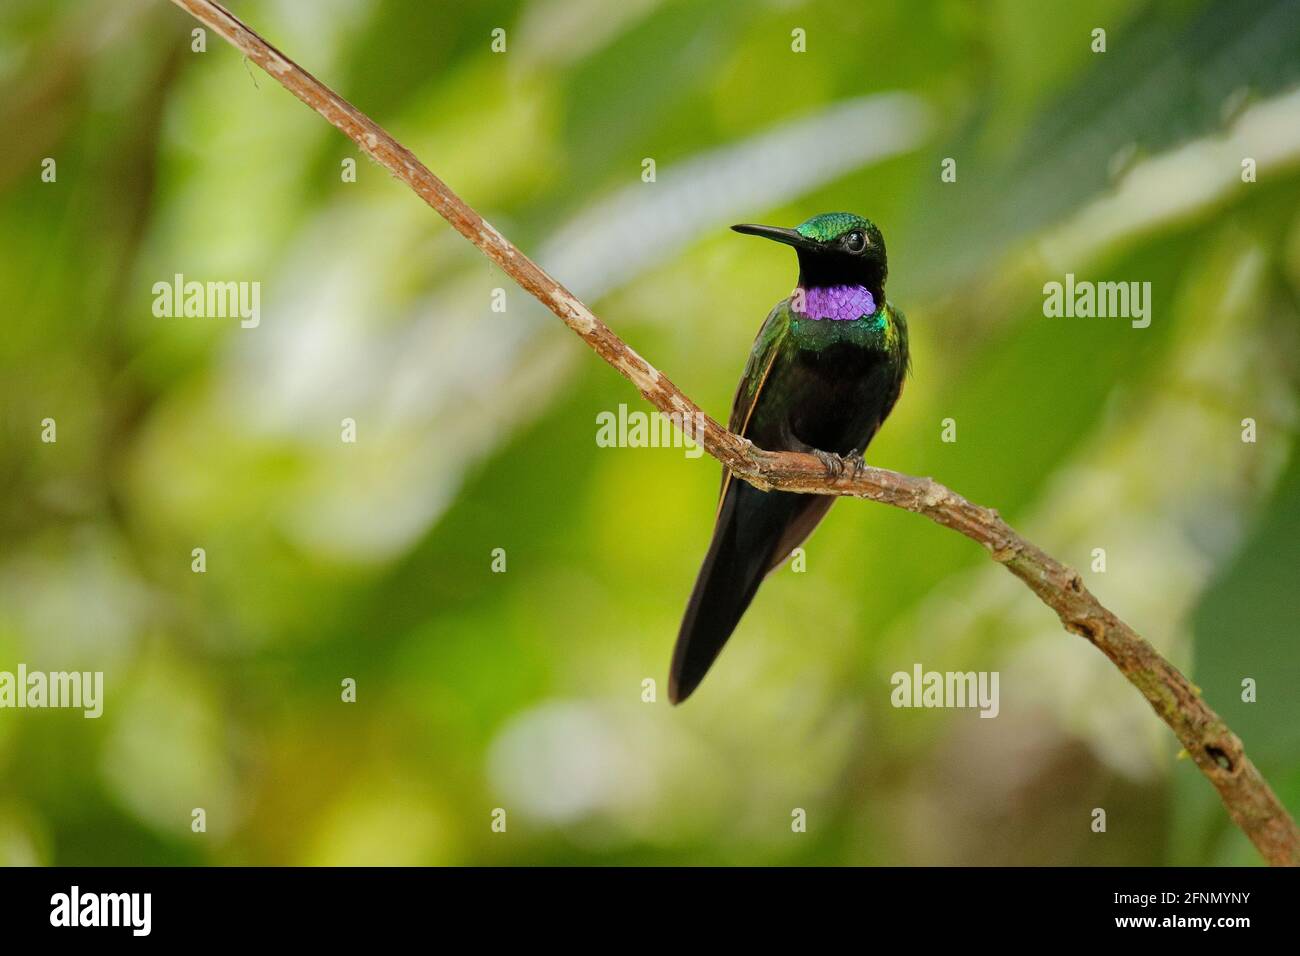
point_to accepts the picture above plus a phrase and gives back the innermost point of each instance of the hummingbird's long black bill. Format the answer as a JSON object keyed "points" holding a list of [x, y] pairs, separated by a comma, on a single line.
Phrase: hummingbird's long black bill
{"points": [[790, 237]]}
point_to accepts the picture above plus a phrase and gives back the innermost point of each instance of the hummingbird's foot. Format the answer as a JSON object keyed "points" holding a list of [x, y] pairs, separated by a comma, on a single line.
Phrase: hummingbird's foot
{"points": [[856, 465], [832, 462]]}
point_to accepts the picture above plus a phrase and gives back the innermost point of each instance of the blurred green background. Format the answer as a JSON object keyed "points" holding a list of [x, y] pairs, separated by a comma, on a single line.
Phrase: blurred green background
{"points": [[476, 430]]}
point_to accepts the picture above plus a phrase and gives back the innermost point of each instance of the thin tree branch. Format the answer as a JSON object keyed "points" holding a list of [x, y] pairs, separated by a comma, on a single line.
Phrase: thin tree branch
{"points": [[1216, 750]]}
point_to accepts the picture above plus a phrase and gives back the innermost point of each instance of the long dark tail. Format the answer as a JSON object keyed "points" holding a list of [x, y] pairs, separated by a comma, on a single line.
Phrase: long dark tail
{"points": [[755, 531]]}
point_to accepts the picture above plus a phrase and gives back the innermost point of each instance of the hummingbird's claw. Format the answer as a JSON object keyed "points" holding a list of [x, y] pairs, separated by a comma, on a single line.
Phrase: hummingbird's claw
{"points": [[857, 464], [832, 462]]}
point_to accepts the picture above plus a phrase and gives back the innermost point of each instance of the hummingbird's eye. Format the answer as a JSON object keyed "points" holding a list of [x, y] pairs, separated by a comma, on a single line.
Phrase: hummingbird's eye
{"points": [[855, 242]]}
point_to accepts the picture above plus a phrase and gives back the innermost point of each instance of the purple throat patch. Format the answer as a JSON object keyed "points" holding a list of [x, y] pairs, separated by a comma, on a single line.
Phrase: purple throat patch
{"points": [[839, 303]]}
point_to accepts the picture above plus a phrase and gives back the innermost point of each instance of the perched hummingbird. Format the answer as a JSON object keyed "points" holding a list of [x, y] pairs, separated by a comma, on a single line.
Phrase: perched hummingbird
{"points": [[825, 371]]}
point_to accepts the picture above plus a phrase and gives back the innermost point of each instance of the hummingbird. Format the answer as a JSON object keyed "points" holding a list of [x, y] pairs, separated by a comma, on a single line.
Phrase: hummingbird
{"points": [[823, 374]]}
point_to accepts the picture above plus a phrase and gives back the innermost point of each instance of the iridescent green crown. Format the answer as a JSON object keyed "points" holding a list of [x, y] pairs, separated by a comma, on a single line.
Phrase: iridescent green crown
{"points": [[832, 225]]}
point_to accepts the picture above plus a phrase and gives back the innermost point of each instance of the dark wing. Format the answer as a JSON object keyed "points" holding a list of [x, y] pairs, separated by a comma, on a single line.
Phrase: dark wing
{"points": [[904, 363], [767, 346]]}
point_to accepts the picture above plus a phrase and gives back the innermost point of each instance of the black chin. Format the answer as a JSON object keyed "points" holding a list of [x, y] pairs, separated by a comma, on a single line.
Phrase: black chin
{"points": [[823, 269]]}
